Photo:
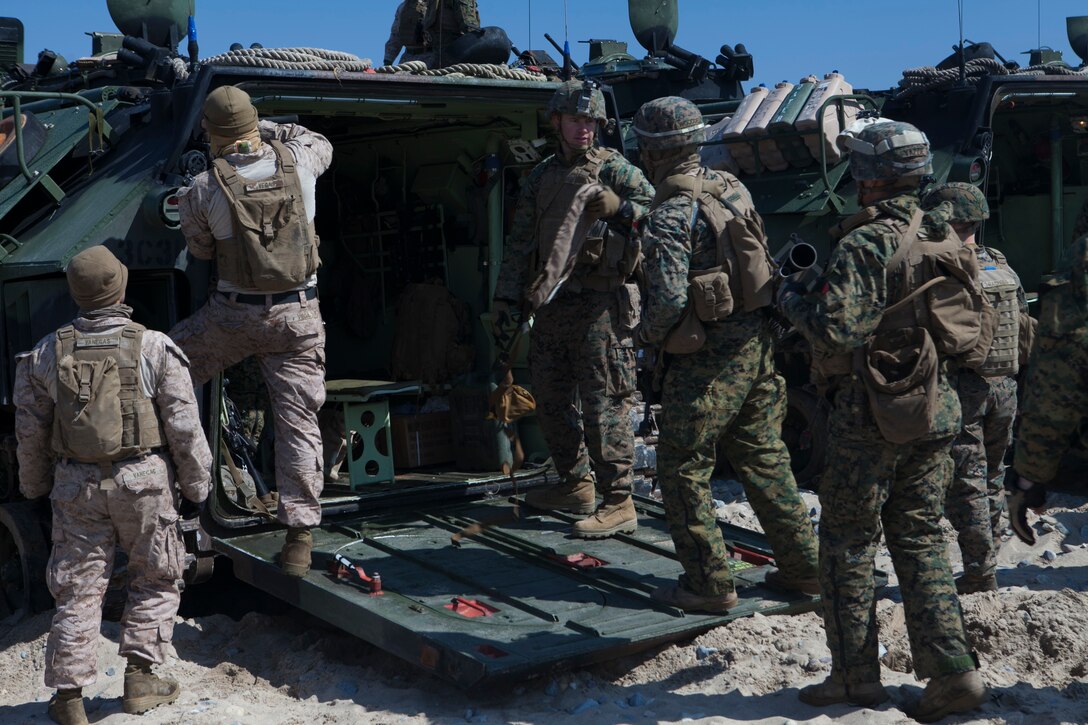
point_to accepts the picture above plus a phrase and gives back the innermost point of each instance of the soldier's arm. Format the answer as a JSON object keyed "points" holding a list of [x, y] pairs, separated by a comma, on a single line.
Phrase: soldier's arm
{"points": [[311, 149], [518, 250], [847, 307], [1055, 398], [667, 258], [393, 46], [194, 220], [180, 416], [630, 184], [33, 427]]}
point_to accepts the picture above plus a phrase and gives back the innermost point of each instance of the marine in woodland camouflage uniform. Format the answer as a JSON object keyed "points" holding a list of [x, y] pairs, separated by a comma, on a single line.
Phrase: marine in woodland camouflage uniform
{"points": [[284, 331], [582, 356], [987, 396], [131, 502], [871, 485], [407, 33], [726, 391], [1053, 415]]}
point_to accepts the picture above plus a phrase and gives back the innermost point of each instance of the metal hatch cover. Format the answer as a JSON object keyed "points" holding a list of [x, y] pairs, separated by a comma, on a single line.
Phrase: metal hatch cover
{"points": [[513, 602]]}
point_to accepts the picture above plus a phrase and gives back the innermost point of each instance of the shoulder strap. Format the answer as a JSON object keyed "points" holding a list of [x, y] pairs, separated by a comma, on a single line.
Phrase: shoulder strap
{"points": [[284, 156], [909, 237], [228, 178]]}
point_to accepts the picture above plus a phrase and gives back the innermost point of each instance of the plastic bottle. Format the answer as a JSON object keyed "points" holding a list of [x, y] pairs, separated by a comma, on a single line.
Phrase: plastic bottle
{"points": [[757, 129], [832, 85]]}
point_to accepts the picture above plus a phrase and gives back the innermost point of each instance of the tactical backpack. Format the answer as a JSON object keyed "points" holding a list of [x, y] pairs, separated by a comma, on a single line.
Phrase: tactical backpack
{"points": [[939, 311], [1002, 288], [274, 248], [744, 275], [101, 414]]}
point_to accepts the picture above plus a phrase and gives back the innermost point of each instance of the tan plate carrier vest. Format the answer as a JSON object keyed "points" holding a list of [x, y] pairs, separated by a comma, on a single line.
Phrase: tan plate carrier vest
{"points": [[744, 276], [101, 413], [607, 259], [274, 248], [1001, 285]]}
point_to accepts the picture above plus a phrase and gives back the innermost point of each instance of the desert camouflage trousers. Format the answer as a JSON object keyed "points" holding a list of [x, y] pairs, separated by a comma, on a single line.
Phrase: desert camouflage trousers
{"points": [[139, 512], [871, 486], [583, 373], [729, 392], [288, 340], [976, 499]]}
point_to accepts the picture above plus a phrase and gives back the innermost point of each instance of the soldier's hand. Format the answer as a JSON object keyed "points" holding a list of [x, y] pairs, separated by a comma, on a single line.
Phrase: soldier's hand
{"points": [[191, 510], [788, 288], [502, 319], [603, 204]]}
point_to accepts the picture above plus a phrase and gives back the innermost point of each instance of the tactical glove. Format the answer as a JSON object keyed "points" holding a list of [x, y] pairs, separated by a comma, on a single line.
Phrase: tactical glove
{"points": [[1020, 500], [190, 510], [788, 288], [502, 320], [604, 204]]}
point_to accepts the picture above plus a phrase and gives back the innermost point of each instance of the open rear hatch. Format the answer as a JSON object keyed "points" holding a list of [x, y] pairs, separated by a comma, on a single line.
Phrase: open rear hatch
{"points": [[519, 599]]}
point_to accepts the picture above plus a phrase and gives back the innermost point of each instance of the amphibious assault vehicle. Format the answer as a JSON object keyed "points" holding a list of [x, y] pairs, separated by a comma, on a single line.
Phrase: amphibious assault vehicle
{"points": [[412, 216]]}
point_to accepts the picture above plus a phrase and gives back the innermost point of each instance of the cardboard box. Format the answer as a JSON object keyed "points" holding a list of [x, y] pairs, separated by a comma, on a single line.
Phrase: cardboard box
{"points": [[421, 440]]}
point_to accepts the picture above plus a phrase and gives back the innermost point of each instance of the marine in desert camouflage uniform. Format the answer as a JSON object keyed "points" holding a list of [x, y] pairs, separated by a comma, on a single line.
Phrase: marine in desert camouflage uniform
{"points": [[1053, 416], [282, 329], [987, 396], [582, 357], [728, 390], [872, 485], [99, 504]]}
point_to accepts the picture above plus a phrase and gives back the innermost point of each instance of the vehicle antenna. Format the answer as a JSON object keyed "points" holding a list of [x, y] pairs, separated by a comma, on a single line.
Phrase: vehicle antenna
{"points": [[530, 42], [566, 45], [963, 65], [1039, 24]]}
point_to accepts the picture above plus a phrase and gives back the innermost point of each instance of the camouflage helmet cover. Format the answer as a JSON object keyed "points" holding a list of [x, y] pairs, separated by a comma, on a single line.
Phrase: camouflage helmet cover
{"points": [[884, 149], [579, 98], [968, 201], [669, 123]]}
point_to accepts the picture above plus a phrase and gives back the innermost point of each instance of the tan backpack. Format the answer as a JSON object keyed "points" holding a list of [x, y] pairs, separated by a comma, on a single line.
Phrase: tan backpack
{"points": [[274, 248]]}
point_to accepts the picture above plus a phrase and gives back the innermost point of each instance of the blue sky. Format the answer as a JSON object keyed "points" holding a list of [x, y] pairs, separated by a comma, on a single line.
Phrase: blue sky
{"points": [[870, 41]]}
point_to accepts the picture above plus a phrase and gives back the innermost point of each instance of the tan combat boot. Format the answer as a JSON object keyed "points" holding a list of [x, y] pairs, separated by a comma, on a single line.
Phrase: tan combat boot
{"points": [[784, 582], [578, 497], [677, 596], [973, 583], [950, 694], [295, 554], [144, 690], [616, 515], [830, 692], [66, 707]]}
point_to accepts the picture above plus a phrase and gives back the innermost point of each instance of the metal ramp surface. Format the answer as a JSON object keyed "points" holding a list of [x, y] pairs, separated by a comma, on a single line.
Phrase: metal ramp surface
{"points": [[520, 599]]}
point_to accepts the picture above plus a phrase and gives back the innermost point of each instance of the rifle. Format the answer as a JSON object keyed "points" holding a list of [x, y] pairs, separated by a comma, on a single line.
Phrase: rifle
{"points": [[239, 454]]}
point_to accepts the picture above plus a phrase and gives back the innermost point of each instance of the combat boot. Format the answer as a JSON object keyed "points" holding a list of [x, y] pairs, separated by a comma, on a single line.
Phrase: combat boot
{"points": [[677, 596], [974, 583], [66, 707], [616, 515], [295, 554], [830, 692], [578, 497], [948, 694], [144, 690], [776, 579]]}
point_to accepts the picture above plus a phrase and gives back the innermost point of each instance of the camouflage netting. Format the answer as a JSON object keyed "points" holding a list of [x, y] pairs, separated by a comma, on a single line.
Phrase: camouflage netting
{"points": [[463, 70], [926, 78]]}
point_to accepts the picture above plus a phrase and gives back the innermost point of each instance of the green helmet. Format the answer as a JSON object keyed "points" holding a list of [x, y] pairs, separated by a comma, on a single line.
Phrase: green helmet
{"points": [[579, 98], [884, 149], [968, 201], [669, 123]]}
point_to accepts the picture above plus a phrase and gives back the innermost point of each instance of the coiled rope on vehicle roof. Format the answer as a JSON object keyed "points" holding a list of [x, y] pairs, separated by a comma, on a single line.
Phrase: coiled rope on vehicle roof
{"points": [[464, 70], [291, 59], [927, 78]]}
